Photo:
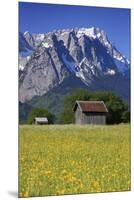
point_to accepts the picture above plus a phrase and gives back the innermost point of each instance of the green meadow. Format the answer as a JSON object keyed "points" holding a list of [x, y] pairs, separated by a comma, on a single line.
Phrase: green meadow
{"points": [[73, 159]]}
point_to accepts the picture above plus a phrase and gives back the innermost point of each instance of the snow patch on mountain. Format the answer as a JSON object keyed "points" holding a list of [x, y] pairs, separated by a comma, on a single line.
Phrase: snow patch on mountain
{"points": [[39, 37], [21, 68], [26, 32], [119, 58], [90, 32], [22, 62], [46, 45], [110, 72], [98, 35], [86, 31], [80, 75]]}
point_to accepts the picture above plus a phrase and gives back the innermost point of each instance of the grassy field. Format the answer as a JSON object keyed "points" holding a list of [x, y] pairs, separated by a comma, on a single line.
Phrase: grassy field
{"points": [[70, 159]]}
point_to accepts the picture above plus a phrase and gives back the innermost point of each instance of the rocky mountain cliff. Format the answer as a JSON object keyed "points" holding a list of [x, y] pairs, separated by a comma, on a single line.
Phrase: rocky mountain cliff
{"points": [[86, 55]]}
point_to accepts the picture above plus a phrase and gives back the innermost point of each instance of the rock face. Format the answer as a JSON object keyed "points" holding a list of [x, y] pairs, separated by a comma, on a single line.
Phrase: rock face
{"points": [[46, 60]]}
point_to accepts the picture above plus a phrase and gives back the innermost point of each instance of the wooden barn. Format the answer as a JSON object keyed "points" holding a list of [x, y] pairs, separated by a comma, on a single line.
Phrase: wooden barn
{"points": [[90, 112], [40, 120]]}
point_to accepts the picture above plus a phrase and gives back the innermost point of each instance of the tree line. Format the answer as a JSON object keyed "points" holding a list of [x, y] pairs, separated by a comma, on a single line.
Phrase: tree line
{"points": [[119, 111]]}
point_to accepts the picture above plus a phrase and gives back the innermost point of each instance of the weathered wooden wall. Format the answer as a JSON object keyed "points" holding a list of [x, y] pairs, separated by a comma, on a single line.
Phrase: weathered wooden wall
{"points": [[78, 116], [94, 118], [89, 118]]}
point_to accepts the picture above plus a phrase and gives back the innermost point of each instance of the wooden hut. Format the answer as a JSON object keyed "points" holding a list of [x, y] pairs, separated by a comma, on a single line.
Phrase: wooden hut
{"points": [[41, 120], [90, 112]]}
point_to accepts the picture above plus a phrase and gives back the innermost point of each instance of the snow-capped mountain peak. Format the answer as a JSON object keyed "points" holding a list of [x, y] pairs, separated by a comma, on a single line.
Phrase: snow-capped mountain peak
{"points": [[47, 59], [26, 33], [90, 32]]}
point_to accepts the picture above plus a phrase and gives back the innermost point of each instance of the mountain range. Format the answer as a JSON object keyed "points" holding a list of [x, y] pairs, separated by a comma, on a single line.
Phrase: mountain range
{"points": [[55, 63]]}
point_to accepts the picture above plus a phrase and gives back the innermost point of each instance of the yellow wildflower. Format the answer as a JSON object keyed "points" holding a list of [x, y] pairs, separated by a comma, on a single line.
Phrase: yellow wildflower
{"points": [[25, 194]]}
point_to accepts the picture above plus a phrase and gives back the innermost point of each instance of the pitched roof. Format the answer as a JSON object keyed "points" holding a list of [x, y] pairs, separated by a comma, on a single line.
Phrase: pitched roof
{"points": [[41, 119], [91, 106]]}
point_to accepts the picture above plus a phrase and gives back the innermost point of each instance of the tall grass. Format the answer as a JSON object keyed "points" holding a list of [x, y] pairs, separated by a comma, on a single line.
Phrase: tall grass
{"points": [[70, 159]]}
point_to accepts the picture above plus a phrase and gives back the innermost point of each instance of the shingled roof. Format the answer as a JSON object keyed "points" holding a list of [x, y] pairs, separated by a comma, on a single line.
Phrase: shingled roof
{"points": [[91, 106]]}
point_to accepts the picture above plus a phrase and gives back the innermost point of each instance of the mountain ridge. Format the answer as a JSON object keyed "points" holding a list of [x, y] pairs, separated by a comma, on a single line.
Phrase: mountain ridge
{"points": [[47, 59]]}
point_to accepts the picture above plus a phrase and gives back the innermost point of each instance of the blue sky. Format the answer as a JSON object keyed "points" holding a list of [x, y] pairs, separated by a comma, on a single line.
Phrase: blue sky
{"points": [[42, 18]]}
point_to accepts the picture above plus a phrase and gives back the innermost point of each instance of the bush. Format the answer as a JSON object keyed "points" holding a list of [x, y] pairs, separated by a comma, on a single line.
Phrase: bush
{"points": [[126, 116]]}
